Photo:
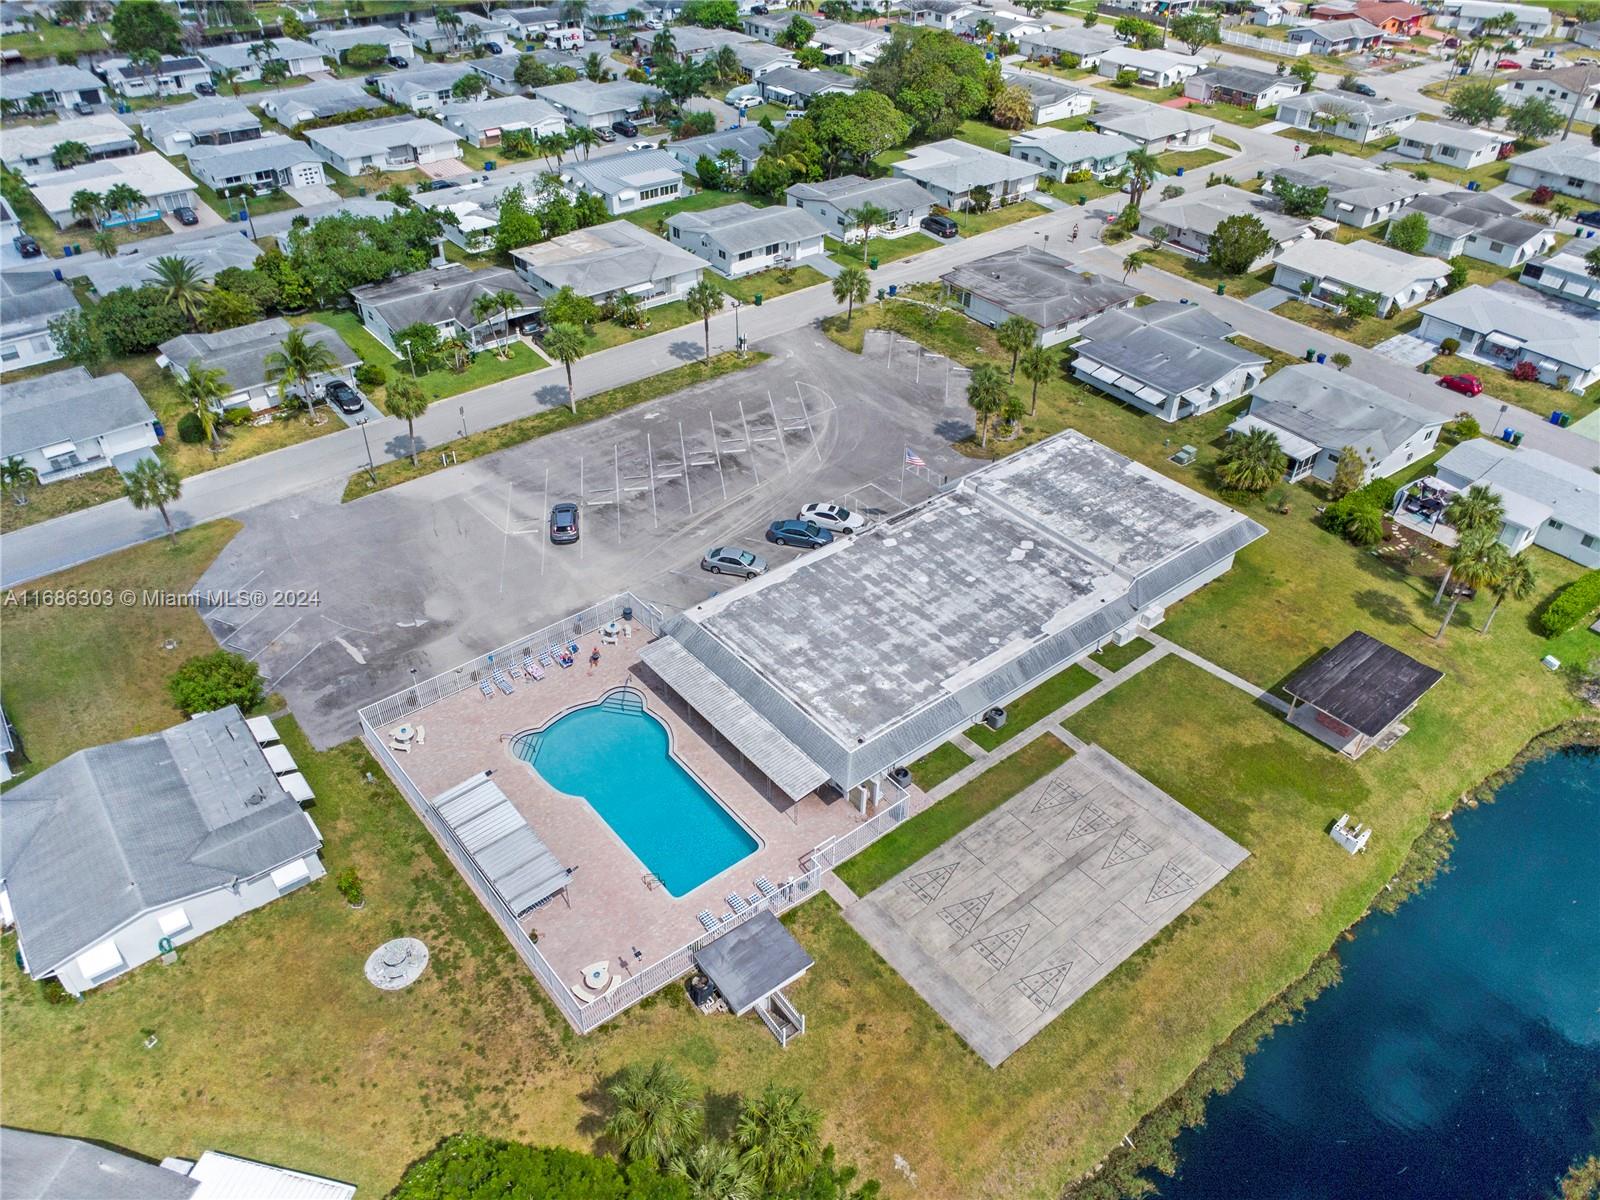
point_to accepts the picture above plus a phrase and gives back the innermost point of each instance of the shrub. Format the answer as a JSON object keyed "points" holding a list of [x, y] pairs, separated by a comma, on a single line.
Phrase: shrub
{"points": [[216, 680], [1572, 605], [190, 432], [1319, 148], [1449, 346], [1543, 194], [366, 54], [349, 885], [1525, 372], [235, 417], [371, 375], [1464, 428]]}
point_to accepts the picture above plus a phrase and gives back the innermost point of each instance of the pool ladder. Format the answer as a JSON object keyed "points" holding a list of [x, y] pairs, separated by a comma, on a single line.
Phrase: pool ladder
{"points": [[651, 881]]}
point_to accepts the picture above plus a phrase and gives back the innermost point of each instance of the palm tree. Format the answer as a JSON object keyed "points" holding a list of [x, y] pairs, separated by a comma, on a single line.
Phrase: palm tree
{"points": [[229, 78], [457, 350], [704, 300], [1037, 366], [124, 198], [375, 175], [779, 1137], [713, 1171], [183, 284], [1133, 264], [574, 11], [484, 308], [664, 46], [1253, 461], [867, 218], [506, 300], [1517, 581], [201, 387], [1478, 560], [1476, 509], [986, 394], [1141, 168], [16, 477], [586, 138], [88, 206], [566, 344], [726, 65], [153, 484], [850, 288], [655, 1113], [404, 399], [300, 360], [105, 243], [1016, 334]]}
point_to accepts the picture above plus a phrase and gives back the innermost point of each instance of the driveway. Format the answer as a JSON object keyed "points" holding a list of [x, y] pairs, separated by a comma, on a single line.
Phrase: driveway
{"points": [[1268, 299], [1406, 348], [316, 193]]}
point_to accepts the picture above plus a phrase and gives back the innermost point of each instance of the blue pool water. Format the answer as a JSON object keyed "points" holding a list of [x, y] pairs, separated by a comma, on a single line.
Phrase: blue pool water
{"points": [[615, 755], [1460, 1055]]}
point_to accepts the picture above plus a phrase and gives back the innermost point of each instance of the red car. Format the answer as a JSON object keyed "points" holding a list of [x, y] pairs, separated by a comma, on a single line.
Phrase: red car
{"points": [[1467, 385], [1508, 64]]}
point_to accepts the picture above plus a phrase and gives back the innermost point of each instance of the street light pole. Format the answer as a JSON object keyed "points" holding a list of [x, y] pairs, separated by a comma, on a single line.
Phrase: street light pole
{"points": [[738, 341], [372, 471]]}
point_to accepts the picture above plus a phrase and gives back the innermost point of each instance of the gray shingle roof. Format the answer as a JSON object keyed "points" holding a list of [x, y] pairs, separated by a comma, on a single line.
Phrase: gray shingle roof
{"points": [[807, 83], [1562, 158], [1352, 181], [1456, 214], [1339, 31], [324, 99], [1044, 91], [1334, 410], [271, 153], [958, 166], [1073, 145], [29, 299], [68, 406], [753, 960], [237, 54], [1149, 122], [1033, 283], [1242, 79], [1375, 111], [442, 294], [500, 112], [41, 1166], [50, 79], [739, 227], [607, 258], [216, 115], [1169, 346], [241, 353], [168, 66], [436, 77], [1204, 210], [852, 191], [747, 140], [1544, 330], [118, 830], [367, 137], [226, 247], [591, 98], [1571, 493]]}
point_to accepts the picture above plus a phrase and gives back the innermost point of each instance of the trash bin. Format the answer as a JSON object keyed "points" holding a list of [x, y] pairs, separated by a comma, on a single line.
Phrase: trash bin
{"points": [[361, 191], [1322, 358], [1427, 368], [893, 287], [627, 612], [1222, 289], [759, 297], [1180, 172], [1516, 437], [1555, 417], [488, 164], [873, 262], [1083, 198], [1566, 419], [1311, 356]]}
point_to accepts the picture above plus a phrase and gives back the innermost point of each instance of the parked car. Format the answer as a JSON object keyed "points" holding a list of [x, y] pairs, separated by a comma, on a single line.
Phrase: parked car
{"points": [[940, 225], [759, 10], [804, 534], [1467, 385], [186, 215], [1589, 216], [625, 128], [641, 145], [564, 524], [398, 63], [205, 89], [1508, 64], [1359, 88], [494, 47], [730, 560], [605, 135], [834, 517], [83, 108], [27, 246], [342, 396]]}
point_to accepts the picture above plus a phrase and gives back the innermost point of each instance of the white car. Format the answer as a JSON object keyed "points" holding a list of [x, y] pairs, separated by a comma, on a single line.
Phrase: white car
{"points": [[641, 145], [833, 517]]}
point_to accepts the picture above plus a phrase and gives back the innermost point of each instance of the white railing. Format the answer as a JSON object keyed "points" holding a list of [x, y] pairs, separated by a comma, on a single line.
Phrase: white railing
{"points": [[1232, 37], [835, 850]]}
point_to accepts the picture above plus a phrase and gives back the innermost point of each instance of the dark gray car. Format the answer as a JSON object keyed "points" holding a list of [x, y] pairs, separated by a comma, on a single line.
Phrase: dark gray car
{"points": [[564, 524]]}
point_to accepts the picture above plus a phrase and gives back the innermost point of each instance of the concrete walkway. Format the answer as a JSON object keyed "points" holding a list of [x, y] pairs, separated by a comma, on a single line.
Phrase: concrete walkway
{"points": [[1222, 673]]}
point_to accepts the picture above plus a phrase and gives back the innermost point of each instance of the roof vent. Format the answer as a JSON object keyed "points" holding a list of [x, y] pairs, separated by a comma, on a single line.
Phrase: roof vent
{"points": [[256, 797]]}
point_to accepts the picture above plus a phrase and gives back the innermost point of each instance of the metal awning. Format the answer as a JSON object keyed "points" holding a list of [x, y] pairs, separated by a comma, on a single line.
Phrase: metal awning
{"points": [[1504, 340], [779, 759], [59, 449], [1296, 447], [517, 864]]}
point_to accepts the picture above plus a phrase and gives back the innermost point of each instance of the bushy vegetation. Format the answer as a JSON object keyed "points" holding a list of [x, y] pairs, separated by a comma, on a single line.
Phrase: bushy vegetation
{"points": [[1571, 605], [211, 681]]}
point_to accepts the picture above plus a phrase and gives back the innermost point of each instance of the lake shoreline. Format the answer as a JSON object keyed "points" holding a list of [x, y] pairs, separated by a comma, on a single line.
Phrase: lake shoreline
{"points": [[1149, 1145]]}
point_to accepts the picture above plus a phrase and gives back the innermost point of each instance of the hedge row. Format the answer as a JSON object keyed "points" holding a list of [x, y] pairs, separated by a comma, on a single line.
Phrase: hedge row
{"points": [[1571, 605]]}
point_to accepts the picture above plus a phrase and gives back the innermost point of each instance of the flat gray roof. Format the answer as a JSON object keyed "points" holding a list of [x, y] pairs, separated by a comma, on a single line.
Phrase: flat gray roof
{"points": [[1324, 405], [753, 960], [606, 258], [1035, 284], [241, 353], [68, 406], [42, 1166], [1169, 346]]}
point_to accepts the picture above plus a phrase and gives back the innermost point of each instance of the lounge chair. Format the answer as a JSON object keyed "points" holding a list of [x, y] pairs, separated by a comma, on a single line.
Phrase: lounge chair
{"points": [[566, 660], [764, 886], [531, 668], [707, 921], [547, 656], [486, 688], [502, 682], [736, 902]]}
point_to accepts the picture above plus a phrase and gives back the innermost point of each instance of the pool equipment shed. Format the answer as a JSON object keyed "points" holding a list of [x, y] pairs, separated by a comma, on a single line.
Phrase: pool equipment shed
{"points": [[751, 965]]}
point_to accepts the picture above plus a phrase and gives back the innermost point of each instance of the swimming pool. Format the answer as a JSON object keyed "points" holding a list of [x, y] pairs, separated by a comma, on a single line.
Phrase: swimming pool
{"points": [[616, 756]]}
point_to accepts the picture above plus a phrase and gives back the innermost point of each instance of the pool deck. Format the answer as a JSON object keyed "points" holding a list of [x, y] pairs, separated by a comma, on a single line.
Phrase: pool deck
{"points": [[610, 909]]}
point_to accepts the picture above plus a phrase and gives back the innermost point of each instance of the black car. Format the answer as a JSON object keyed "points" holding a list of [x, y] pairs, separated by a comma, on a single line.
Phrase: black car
{"points": [[1589, 217], [205, 89], [342, 396], [186, 215], [940, 225], [494, 47], [625, 128], [564, 524], [759, 10], [1359, 88], [27, 246], [398, 63]]}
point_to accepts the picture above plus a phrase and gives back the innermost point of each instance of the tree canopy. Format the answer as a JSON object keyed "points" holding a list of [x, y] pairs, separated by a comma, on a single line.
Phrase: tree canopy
{"points": [[1237, 243], [935, 78], [1299, 200], [471, 1167], [145, 25], [1476, 102]]}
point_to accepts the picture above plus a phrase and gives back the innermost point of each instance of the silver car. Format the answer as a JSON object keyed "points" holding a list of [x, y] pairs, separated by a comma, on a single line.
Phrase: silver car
{"points": [[730, 560]]}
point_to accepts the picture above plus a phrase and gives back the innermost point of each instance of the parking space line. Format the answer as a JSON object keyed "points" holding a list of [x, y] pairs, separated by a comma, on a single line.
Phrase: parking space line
{"points": [[683, 449], [257, 655], [750, 446], [800, 397], [544, 507], [277, 679], [716, 452], [777, 429], [505, 542]]}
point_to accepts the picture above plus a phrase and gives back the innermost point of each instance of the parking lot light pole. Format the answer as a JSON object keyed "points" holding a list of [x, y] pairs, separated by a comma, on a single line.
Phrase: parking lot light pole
{"points": [[738, 342], [372, 471]]}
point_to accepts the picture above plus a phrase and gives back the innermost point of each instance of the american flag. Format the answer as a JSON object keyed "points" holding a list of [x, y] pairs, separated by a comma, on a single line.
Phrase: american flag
{"points": [[912, 460]]}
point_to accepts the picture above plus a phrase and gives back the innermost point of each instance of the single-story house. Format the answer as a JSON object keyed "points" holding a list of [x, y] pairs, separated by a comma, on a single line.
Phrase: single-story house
{"points": [[316, 101], [696, 44], [1566, 275], [1155, 68], [209, 253], [30, 301], [602, 17], [1480, 225], [1267, 15], [1086, 44], [499, 71], [1587, 34], [737, 239], [1062, 153], [1333, 270], [1468, 17], [1393, 17], [1549, 501], [427, 34], [268, 163], [53, 87], [173, 76], [1346, 115], [1566, 89], [1502, 327], [770, 26], [1571, 168], [386, 143], [1002, 26], [121, 852], [423, 89], [218, 121], [1171, 359], [1191, 219], [336, 43], [69, 423], [26, 149], [796, 88], [746, 142], [1337, 37], [1455, 145], [1318, 411], [485, 122], [952, 170], [847, 45], [758, 58], [1157, 128], [302, 57], [598, 105], [163, 186], [630, 181], [1052, 99], [937, 14], [832, 200], [605, 260], [446, 298], [1243, 87], [1359, 193], [242, 353], [528, 21], [1357, 695], [1029, 282]]}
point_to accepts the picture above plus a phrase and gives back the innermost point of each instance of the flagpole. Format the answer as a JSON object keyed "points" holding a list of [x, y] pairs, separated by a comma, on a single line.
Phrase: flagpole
{"points": [[902, 479]]}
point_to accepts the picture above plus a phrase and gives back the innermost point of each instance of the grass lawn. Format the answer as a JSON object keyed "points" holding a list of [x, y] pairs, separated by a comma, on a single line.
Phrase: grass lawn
{"points": [[48, 40], [972, 224], [1277, 358], [1065, 72], [362, 186], [1487, 177], [933, 827], [525, 429], [56, 499], [990, 137], [1140, 91], [1199, 270], [1367, 331], [1080, 193], [260, 206], [1250, 118], [1532, 396], [776, 113], [934, 767], [1114, 658], [1034, 706], [885, 250], [1187, 160], [1308, 138], [768, 283], [35, 222], [655, 217], [606, 334]]}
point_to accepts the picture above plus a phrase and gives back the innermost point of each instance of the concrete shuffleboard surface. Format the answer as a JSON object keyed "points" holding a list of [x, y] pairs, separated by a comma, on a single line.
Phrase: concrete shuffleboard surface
{"points": [[1007, 924]]}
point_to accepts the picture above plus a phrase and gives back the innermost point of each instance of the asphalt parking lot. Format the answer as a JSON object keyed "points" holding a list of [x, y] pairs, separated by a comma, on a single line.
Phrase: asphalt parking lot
{"points": [[422, 576]]}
